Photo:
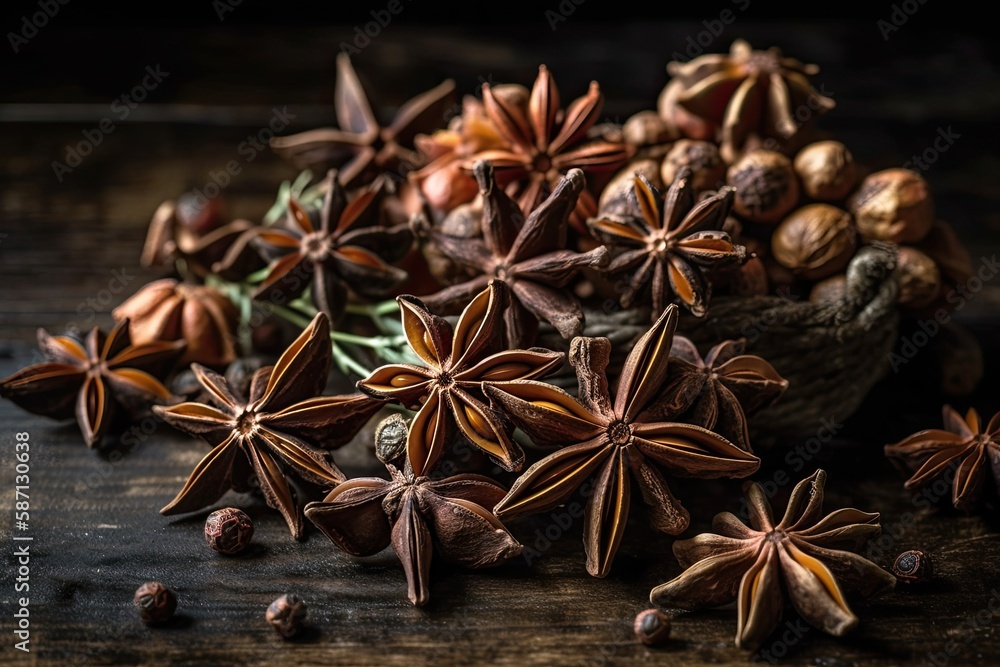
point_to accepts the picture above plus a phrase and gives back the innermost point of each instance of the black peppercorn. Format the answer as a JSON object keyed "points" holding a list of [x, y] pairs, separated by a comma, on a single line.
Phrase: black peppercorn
{"points": [[652, 627], [228, 530], [913, 567], [286, 615], [156, 603]]}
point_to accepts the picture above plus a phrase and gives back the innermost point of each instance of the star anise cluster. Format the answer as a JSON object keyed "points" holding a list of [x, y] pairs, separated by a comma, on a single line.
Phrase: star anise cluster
{"points": [[807, 559]]}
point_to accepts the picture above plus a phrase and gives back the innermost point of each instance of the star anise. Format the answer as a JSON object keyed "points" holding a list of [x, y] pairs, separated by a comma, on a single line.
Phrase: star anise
{"points": [[670, 244], [418, 516], [94, 380], [199, 315], [609, 440], [971, 454], [276, 432], [339, 254], [461, 361], [546, 142], [719, 391], [806, 557], [749, 96], [529, 255], [362, 149]]}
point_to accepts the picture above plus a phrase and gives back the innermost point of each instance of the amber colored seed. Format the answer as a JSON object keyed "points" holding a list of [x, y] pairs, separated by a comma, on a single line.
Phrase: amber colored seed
{"points": [[553, 406], [503, 372], [478, 424], [404, 380]]}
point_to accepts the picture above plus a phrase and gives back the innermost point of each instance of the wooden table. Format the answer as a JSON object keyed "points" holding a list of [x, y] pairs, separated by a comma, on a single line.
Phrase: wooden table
{"points": [[68, 255]]}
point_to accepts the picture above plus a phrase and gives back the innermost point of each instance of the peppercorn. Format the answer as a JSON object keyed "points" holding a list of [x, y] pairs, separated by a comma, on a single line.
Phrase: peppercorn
{"points": [[893, 205], [766, 186], [652, 627], [814, 242], [702, 157], [155, 602], [228, 530], [286, 615], [827, 170], [913, 567]]}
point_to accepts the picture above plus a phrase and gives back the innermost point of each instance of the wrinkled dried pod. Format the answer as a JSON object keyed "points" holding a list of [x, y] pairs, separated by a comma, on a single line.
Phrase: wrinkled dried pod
{"points": [[829, 289], [155, 602], [815, 241], [646, 128], [702, 157], [390, 438], [286, 615], [652, 627], [827, 170], [893, 205], [919, 278], [766, 186], [617, 201], [228, 531]]}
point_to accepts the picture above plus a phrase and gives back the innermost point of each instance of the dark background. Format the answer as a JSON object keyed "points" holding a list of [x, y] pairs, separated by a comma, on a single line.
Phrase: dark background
{"points": [[98, 533]]}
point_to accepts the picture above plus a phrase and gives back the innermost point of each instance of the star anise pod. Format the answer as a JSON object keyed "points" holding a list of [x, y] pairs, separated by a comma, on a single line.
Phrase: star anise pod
{"points": [[362, 148], [529, 255], [749, 96], [806, 557], [276, 432], [970, 453], [94, 380], [671, 243], [719, 391], [199, 315], [339, 254], [546, 142], [418, 516], [610, 440], [461, 361]]}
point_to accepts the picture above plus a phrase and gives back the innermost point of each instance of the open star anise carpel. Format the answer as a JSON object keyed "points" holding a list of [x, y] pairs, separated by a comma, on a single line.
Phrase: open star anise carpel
{"points": [[418, 516], [970, 453], [344, 251], [362, 148], [448, 390], [748, 96], [527, 253], [278, 431], [546, 142], [671, 243], [612, 442], [719, 391], [95, 379], [806, 557]]}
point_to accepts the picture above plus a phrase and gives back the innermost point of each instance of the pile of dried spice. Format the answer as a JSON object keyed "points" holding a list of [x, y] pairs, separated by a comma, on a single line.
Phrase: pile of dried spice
{"points": [[424, 258]]}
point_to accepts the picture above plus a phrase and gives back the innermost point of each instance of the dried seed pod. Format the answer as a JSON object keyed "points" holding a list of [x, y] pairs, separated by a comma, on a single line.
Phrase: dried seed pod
{"points": [[286, 615], [919, 278], [893, 205], [913, 567], [815, 241], [512, 93], [618, 198], [646, 128], [155, 602], [830, 289], [827, 170], [228, 530], [652, 627], [766, 186], [702, 157], [681, 121], [390, 438]]}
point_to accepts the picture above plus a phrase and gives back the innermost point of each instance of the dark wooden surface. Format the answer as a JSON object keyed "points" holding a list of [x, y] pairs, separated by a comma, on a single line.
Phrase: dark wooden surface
{"points": [[97, 533]]}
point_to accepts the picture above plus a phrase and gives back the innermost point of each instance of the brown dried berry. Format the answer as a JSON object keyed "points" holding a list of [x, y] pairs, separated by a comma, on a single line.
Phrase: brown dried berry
{"points": [[155, 602], [814, 242], [228, 530], [827, 170], [830, 289], [617, 201], [919, 278], [893, 205], [766, 186], [646, 128], [652, 627], [286, 615], [913, 567], [703, 158], [390, 438]]}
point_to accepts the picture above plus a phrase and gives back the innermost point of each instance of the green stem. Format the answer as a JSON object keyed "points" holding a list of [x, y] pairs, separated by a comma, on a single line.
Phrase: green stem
{"points": [[373, 310]]}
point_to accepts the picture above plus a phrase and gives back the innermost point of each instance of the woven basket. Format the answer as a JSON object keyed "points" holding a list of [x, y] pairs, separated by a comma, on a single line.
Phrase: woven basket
{"points": [[831, 353]]}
